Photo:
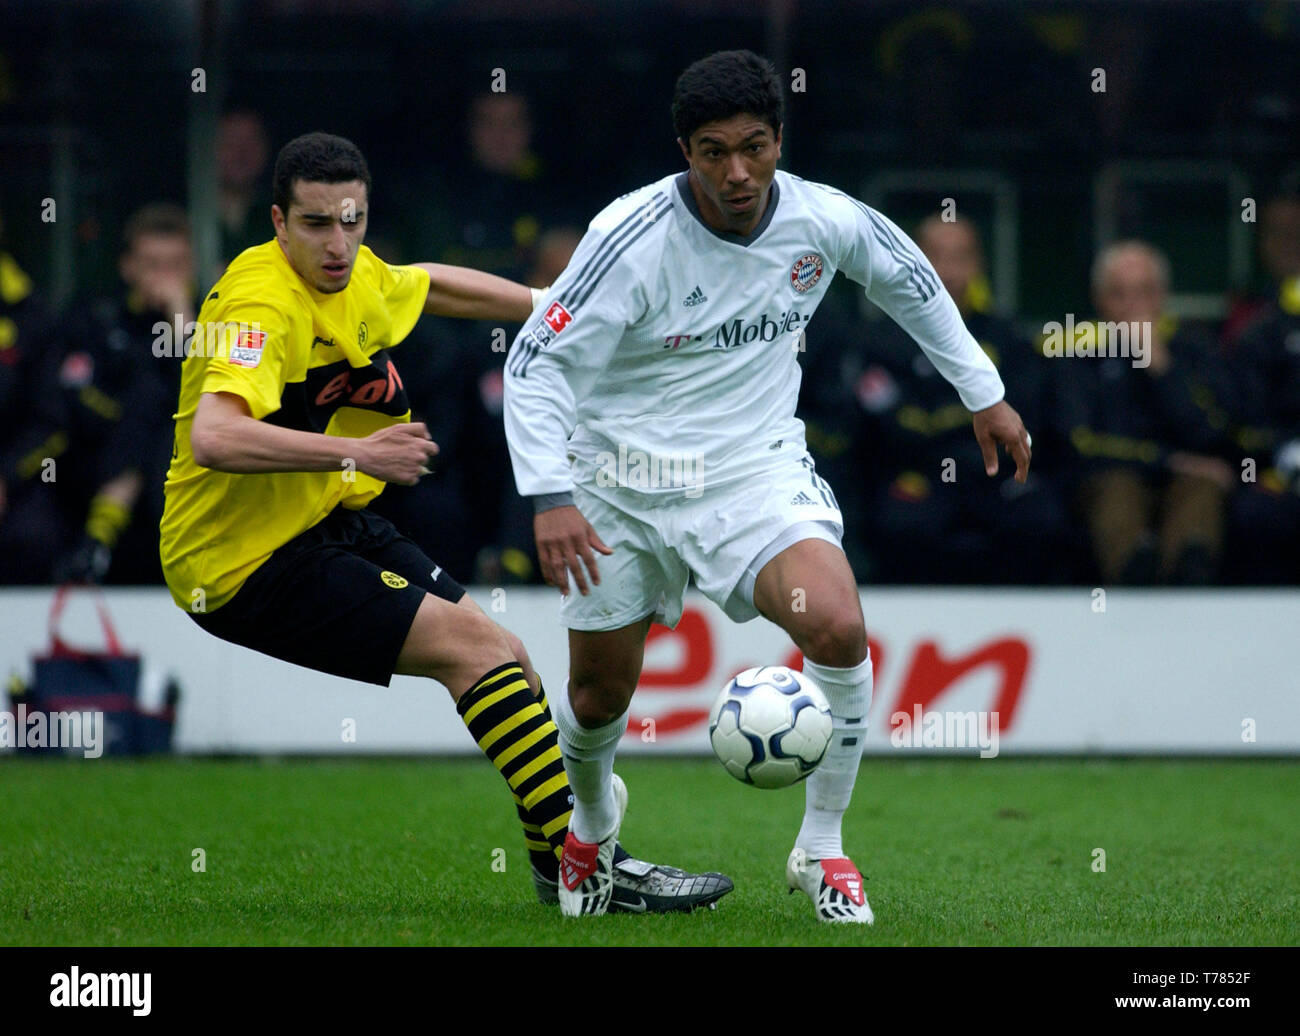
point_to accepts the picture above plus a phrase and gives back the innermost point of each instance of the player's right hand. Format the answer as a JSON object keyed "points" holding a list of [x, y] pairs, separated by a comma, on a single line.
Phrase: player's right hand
{"points": [[1000, 425], [399, 453], [565, 540]]}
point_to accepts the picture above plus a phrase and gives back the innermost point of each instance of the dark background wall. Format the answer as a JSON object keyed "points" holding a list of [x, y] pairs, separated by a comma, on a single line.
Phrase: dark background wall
{"points": [[96, 99]]}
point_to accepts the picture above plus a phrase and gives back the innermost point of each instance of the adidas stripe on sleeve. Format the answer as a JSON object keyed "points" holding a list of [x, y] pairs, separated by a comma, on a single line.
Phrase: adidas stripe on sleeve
{"points": [[900, 280], [571, 337]]}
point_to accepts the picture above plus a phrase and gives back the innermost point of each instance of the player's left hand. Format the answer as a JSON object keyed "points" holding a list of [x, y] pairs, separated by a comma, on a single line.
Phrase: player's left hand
{"points": [[999, 424]]}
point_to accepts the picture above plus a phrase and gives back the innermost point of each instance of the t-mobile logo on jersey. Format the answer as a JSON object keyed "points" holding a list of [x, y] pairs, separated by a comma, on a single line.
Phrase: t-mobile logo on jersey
{"points": [[762, 329]]}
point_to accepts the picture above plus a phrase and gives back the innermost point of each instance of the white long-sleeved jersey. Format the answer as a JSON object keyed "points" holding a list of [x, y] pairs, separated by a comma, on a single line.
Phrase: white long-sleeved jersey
{"points": [[672, 346]]}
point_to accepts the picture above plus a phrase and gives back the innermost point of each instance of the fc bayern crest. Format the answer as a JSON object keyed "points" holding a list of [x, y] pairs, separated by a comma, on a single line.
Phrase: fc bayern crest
{"points": [[806, 272]]}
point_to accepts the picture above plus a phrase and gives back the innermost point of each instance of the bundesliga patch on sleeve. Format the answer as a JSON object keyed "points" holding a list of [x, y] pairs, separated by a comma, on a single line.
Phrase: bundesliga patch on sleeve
{"points": [[557, 317], [247, 350]]}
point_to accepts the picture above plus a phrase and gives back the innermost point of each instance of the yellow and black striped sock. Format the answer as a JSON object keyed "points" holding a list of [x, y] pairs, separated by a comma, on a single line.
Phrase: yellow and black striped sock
{"points": [[543, 856], [515, 731]]}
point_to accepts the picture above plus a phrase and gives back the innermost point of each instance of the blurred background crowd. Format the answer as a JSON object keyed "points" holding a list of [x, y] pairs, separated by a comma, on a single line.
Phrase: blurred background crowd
{"points": [[137, 140]]}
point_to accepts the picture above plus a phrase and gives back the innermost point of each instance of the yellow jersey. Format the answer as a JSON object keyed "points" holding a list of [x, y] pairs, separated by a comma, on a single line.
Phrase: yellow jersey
{"points": [[299, 358]]}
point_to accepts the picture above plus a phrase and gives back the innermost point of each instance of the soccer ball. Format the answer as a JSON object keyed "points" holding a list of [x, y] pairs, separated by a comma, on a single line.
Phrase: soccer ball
{"points": [[770, 726]]}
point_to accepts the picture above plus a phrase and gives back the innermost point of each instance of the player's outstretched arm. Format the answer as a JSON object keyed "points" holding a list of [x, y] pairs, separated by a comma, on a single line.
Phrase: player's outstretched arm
{"points": [[457, 291], [565, 540], [226, 437], [1000, 424]]}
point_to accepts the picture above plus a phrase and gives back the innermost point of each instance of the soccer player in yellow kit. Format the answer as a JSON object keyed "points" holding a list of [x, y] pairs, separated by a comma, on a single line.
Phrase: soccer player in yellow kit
{"points": [[292, 417]]}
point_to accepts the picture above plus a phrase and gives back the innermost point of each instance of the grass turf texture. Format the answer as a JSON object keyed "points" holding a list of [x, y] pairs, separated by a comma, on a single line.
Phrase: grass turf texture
{"points": [[382, 852]]}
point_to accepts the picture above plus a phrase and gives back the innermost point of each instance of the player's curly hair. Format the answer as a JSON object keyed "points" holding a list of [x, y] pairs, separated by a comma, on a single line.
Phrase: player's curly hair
{"points": [[317, 158], [730, 82]]}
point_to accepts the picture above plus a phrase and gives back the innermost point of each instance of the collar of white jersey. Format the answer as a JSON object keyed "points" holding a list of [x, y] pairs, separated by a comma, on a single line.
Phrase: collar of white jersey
{"points": [[745, 240]]}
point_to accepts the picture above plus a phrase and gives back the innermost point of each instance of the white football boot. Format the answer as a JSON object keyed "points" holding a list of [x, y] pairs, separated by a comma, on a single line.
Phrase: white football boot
{"points": [[834, 886], [587, 868]]}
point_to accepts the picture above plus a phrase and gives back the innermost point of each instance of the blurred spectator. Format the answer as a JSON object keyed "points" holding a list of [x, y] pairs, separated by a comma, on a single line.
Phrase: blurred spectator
{"points": [[491, 208], [554, 250], [31, 429], [243, 187], [1279, 261], [1119, 44], [1266, 512], [923, 56], [120, 378], [937, 517], [1153, 441]]}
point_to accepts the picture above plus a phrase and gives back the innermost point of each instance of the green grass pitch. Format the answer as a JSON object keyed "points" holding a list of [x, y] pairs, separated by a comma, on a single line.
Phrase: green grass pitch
{"points": [[405, 852]]}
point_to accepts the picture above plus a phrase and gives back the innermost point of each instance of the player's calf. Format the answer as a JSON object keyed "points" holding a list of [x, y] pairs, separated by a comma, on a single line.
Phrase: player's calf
{"points": [[458, 645], [829, 788], [513, 729], [830, 631]]}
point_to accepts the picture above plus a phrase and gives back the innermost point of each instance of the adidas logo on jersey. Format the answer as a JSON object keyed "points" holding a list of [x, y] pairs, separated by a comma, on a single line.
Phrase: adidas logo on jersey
{"points": [[695, 298], [802, 498]]}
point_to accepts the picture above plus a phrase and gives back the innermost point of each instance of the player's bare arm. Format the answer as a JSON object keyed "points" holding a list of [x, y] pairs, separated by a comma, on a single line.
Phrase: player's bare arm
{"points": [[226, 437], [565, 540], [455, 291], [1001, 425]]}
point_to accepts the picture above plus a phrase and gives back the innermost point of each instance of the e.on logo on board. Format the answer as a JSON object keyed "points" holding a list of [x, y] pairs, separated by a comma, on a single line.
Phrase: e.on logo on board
{"points": [[928, 671]]}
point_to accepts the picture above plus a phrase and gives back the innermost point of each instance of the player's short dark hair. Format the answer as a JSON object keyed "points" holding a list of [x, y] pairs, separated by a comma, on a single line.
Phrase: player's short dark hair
{"points": [[730, 82], [157, 219], [316, 158]]}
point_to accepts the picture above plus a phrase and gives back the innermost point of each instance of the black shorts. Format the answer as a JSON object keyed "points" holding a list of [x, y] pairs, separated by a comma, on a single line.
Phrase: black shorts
{"points": [[339, 597]]}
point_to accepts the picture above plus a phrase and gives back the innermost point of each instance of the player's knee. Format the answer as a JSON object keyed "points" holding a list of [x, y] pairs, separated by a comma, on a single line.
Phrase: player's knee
{"points": [[493, 638], [840, 642], [477, 644], [517, 649], [598, 700]]}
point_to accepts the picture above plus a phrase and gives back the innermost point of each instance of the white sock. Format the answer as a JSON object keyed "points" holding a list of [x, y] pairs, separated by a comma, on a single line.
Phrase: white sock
{"points": [[831, 785], [589, 762]]}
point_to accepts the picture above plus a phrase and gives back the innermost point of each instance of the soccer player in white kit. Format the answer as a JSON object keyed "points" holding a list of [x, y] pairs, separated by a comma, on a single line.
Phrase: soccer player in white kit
{"points": [[650, 411]]}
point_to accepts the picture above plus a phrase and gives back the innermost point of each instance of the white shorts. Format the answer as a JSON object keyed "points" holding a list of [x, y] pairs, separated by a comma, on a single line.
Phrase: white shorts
{"points": [[722, 536]]}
